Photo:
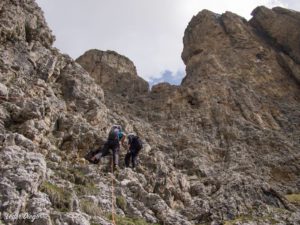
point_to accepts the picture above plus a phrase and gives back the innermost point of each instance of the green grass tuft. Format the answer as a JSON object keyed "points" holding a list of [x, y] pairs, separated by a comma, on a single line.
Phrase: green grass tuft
{"points": [[59, 197], [249, 218], [74, 175], [121, 202], [87, 189], [130, 221], [90, 208]]}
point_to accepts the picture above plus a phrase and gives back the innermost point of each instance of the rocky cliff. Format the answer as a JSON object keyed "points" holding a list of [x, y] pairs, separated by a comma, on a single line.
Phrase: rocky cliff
{"points": [[221, 148], [113, 72]]}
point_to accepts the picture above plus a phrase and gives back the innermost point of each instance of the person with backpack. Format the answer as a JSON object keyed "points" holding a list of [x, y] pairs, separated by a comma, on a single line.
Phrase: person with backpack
{"points": [[115, 136], [135, 146]]}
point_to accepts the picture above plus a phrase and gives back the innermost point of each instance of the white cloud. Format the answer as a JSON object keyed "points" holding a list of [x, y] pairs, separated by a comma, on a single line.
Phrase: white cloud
{"points": [[149, 32], [293, 4]]}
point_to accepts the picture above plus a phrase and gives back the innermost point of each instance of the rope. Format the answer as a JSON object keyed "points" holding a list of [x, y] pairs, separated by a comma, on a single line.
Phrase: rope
{"points": [[112, 193]]}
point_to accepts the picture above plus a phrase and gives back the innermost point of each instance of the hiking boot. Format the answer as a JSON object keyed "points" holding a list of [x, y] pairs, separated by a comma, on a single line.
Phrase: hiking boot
{"points": [[94, 160]]}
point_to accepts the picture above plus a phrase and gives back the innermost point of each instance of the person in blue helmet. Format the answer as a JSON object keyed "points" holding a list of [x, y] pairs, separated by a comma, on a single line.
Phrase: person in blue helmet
{"points": [[115, 136], [135, 146]]}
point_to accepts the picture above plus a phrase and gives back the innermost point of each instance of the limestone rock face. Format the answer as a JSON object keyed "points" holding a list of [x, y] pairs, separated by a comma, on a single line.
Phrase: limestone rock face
{"points": [[221, 148], [238, 85], [22, 173], [47, 102], [280, 25], [23, 20], [114, 72]]}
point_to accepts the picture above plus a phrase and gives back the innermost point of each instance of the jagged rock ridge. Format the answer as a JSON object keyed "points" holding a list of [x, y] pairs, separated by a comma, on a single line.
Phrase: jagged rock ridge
{"points": [[221, 148]]}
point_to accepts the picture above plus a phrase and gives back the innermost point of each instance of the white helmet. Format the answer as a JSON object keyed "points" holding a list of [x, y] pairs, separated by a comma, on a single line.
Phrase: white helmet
{"points": [[117, 126]]}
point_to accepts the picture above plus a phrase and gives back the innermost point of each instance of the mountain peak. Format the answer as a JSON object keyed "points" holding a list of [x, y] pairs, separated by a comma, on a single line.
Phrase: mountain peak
{"points": [[114, 72]]}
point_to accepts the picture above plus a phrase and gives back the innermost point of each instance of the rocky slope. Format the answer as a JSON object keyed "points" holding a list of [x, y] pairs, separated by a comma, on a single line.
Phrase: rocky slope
{"points": [[221, 148]]}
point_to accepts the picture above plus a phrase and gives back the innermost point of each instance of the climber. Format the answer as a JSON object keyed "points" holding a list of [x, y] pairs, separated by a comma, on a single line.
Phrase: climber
{"points": [[115, 136], [135, 146]]}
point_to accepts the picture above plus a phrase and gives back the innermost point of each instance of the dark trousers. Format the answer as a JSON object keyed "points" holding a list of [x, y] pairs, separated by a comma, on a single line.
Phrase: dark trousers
{"points": [[131, 155], [114, 145]]}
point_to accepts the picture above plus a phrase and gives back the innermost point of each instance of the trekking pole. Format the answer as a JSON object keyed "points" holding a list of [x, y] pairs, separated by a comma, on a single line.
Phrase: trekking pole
{"points": [[112, 193]]}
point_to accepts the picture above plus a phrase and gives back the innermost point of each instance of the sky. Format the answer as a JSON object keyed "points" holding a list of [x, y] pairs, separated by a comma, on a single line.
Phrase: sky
{"points": [[149, 32]]}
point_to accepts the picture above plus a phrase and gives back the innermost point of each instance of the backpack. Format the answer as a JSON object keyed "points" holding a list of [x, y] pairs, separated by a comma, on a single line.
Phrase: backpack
{"points": [[139, 143], [136, 142], [114, 133]]}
